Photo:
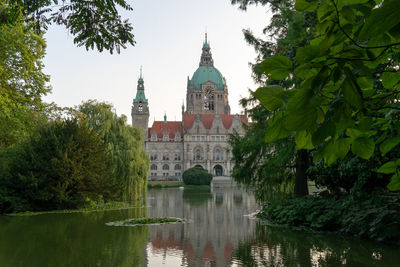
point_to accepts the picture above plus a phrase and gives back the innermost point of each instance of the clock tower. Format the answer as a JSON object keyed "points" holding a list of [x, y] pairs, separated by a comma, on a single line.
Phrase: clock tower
{"points": [[140, 108], [207, 92]]}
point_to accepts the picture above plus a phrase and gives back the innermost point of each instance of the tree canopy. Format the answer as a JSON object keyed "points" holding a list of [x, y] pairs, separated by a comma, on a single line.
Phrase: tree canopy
{"points": [[94, 24], [346, 95]]}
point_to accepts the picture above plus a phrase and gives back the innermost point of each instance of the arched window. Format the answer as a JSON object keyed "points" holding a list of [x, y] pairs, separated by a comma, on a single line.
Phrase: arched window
{"points": [[165, 156], [165, 167], [140, 106], [153, 157], [153, 167], [198, 153], [177, 156], [218, 155], [177, 167]]}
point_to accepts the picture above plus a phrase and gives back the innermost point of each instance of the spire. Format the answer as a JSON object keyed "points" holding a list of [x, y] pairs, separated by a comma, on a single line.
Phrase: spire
{"points": [[206, 57], [140, 96]]}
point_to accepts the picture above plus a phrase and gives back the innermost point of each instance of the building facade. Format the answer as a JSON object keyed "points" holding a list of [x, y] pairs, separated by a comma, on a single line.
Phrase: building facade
{"points": [[201, 137]]}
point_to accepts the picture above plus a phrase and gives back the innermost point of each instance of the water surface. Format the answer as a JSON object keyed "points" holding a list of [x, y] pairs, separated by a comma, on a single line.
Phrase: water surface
{"points": [[218, 232]]}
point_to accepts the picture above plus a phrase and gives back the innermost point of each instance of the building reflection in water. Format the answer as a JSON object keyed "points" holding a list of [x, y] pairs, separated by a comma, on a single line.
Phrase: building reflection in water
{"points": [[216, 225]]}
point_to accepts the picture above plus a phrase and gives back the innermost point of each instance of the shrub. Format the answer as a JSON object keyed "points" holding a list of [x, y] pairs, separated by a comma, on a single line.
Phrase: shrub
{"points": [[197, 176], [62, 165], [371, 216]]}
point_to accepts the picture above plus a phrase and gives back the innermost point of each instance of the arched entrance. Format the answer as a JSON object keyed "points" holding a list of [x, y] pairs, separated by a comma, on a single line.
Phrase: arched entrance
{"points": [[218, 171]]}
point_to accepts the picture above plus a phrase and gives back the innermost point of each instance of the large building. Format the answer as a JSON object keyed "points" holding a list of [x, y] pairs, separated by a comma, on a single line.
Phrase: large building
{"points": [[201, 137]]}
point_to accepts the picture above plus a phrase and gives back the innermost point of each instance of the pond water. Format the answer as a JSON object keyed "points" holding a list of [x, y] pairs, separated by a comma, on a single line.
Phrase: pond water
{"points": [[219, 231]]}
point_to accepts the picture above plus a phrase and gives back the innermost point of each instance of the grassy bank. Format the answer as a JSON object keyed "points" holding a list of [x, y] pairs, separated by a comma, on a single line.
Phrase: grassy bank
{"points": [[164, 184], [99, 207], [375, 217]]}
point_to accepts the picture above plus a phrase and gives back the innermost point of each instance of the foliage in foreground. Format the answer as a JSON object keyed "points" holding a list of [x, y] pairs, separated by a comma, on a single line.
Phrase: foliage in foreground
{"points": [[62, 165], [197, 176], [346, 97], [129, 160], [92, 23], [374, 217]]}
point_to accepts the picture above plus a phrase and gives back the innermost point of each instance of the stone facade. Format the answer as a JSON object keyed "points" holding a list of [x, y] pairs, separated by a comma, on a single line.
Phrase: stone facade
{"points": [[201, 137]]}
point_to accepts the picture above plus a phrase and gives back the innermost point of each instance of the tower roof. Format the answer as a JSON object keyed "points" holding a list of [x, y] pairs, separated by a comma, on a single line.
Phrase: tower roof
{"points": [[204, 74], [140, 96], [206, 70]]}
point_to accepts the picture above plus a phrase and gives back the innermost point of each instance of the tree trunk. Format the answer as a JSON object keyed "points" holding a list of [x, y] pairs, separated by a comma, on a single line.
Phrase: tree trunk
{"points": [[302, 164]]}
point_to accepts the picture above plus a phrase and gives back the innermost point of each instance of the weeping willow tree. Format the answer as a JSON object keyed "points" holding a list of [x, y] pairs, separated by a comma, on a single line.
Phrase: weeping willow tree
{"points": [[129, 161]]}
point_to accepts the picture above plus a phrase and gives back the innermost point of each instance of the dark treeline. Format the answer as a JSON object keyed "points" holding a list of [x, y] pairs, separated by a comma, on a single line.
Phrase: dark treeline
{"points": [[326, 111], [52, 157]]}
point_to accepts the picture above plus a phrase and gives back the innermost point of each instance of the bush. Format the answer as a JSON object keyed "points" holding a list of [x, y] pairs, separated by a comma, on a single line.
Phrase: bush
{"points": [[62, 165], [372, 216], [197, 176]]}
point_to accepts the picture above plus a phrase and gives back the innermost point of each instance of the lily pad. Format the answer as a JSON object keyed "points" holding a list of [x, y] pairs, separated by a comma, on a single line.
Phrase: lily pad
{"points": [[145, 221]]}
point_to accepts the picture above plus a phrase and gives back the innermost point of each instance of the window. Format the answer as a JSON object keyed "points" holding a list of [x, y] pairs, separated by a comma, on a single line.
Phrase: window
{"points": [[217, 129], [177, 136], [177, 156], [153, 136], [197, 129], [165, 167], [165, 136], [177, 174], [153, 157], [153, 167], [198, 154], [165, 156], [218, 154], [177, 167], [140, 106], [202, 138]]}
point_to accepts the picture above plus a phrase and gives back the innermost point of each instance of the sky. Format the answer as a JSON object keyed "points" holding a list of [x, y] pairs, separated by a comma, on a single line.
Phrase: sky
{"points": [[169, 37]]}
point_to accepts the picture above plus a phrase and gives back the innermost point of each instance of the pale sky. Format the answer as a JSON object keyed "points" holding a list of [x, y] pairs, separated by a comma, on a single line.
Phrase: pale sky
{"points": [[169, 37]]}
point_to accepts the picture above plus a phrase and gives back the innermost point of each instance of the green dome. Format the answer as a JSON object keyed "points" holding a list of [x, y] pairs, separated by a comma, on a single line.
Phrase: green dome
{"points": [[207, 73]]}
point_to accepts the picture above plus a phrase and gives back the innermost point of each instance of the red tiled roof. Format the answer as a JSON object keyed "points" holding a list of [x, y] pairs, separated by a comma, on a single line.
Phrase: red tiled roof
{"points": [[160, 127], [208, 119], [226, 120], [189, 119]]}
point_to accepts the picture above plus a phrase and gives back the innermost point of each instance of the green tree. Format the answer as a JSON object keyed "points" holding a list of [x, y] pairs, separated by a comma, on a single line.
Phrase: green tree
{"points": [[288, 30], [22, 81], [197, 176], [346, 97], [129, 160], [92, 23], [62, 165], [266, 168]]}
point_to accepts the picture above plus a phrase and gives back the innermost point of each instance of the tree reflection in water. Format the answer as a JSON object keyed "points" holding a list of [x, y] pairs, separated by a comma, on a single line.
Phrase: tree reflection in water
{"points": [[278, 246]]}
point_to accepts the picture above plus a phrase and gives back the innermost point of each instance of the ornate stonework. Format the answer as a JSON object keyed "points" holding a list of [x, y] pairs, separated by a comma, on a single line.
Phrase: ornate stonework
{"points": [[201, 137]]}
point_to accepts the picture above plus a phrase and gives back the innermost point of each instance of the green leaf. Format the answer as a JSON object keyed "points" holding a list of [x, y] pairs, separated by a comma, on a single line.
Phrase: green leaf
{"points": [[363, 147], [276, 129], [303, 140], [304, 5], [390, 79], [301, 119], [388, 167], [351, 94], [325, 130], [342, 3], [277, 68], [394, 184], [342, 147], [306, 54], [270, 97], [381, 20], [389, 144]]}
